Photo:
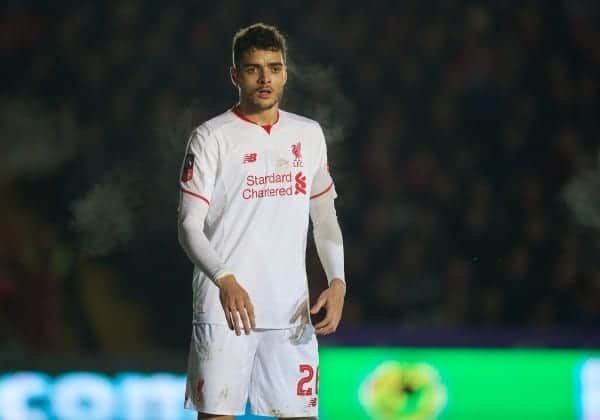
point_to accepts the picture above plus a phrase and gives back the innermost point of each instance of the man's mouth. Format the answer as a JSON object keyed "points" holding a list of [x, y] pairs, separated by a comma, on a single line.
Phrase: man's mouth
{"points": [[264, 93]]}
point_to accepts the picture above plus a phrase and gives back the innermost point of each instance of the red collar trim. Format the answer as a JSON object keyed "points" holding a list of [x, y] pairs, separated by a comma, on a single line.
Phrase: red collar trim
{"points": [[266, 127]]}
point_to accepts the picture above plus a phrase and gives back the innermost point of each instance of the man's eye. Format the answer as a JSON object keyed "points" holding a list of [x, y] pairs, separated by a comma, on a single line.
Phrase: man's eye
{"points": [[250, 70], [275, 69]]}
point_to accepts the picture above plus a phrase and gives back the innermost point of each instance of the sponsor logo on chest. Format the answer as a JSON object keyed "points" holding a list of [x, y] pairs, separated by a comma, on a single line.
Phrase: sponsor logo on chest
{"points": [[288, 182]]}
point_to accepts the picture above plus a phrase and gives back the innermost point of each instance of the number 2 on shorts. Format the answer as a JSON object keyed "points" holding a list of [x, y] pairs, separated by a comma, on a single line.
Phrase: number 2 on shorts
{"points": [[309, 373]]}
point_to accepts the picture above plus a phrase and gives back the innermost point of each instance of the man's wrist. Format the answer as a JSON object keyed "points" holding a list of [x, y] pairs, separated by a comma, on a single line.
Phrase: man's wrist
{"points": [[338, 282], [219, 279]]}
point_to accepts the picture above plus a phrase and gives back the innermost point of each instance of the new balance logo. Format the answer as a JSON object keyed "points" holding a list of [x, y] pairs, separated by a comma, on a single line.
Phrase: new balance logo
{"points": [[300, 184], [312, 402], [249, 158]]}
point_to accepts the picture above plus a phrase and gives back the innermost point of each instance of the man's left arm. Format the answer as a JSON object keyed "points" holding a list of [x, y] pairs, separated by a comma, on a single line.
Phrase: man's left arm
{"points": [[329, 243]]}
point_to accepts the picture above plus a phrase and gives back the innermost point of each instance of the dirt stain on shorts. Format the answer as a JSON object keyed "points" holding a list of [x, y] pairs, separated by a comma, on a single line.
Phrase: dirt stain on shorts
{"points": [[224, 394]]}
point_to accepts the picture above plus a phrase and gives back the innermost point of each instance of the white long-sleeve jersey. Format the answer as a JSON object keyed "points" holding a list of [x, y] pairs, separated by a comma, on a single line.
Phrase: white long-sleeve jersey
{"points": [[246, 192]]}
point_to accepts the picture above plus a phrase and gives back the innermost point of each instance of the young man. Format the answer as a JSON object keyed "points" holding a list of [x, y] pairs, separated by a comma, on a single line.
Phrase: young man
{"points": [[250, 178]]}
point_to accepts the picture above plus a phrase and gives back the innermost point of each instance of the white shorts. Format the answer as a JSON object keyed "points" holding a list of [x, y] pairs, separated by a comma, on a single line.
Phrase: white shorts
{"points": [[278, 375]]}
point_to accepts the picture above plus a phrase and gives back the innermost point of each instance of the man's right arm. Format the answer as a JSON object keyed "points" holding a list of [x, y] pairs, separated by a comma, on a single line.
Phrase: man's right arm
{"points": [[235, 301], [197, 181], [194, 241]]}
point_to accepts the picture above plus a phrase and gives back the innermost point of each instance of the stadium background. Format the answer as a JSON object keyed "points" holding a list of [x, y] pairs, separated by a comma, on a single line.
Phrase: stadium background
{"points": [[463, 139]]}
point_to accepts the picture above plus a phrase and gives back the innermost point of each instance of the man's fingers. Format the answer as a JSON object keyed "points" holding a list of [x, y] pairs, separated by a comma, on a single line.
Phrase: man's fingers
{"points": [[320, 303], [327, 329], [324, 322], [250, 310], [239, 311], [233, 313], [245, 320], [324, 331], [229, 321], [241, 314], [329, 323], [333, 315], [247, 314]]}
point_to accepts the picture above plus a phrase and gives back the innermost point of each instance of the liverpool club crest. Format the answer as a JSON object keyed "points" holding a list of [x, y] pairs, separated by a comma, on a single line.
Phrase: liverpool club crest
{"points": [[297, 152]]}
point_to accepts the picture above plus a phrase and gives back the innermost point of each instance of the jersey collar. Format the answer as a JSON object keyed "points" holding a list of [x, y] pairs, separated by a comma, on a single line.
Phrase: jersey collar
{"points": [[266, 127]]}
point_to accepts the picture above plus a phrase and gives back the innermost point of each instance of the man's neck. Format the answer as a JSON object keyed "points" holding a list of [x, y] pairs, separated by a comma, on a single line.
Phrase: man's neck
{"points": [[260, 117]]}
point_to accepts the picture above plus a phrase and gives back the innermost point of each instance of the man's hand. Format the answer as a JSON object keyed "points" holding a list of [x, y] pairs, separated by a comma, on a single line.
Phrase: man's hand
{"points": [[236, 304], [332, 299]]}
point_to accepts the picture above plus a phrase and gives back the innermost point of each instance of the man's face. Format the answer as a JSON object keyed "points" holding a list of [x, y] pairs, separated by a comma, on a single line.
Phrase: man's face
{"points": [[260, 78]]}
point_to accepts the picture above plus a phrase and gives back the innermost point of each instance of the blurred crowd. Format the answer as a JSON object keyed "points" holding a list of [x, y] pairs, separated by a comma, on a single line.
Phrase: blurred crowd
{"points": [[461, 125]]}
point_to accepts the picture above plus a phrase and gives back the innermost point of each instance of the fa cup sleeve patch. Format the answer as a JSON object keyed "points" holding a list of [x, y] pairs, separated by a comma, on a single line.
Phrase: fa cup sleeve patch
{"points": [[188, 168]]}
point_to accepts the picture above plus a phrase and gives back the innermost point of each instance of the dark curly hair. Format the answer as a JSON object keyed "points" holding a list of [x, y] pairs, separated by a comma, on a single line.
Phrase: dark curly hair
{"points": [[257, 36]]}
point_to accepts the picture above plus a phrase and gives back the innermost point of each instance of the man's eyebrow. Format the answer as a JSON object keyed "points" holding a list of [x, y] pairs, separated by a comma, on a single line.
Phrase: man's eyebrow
{"points": [[273, 63]]}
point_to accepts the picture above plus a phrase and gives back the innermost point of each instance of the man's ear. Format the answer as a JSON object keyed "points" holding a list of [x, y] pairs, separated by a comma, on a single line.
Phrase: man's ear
{"points": [[233, 74]]}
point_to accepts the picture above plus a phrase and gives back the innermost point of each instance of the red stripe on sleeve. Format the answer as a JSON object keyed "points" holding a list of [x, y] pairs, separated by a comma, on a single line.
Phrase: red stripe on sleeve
{"points": [[195, 195], [322, 192]]}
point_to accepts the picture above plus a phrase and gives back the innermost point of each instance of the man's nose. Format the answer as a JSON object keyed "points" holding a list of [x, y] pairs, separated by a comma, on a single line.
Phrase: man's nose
{"points": [[264, 77]]}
